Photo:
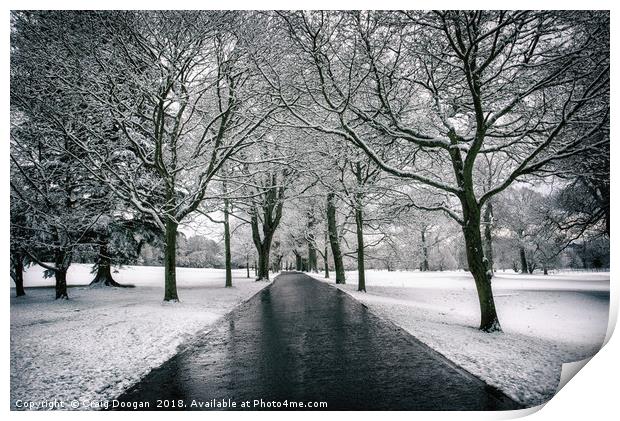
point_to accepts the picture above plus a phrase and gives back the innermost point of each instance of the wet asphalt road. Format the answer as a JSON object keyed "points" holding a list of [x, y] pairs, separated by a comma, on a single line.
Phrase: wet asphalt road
{"points": [[302, 340]]}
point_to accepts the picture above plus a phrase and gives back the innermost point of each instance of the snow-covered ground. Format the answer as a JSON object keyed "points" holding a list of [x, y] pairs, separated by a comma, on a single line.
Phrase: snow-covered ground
{"points": [[100, 341], [546, 321]]}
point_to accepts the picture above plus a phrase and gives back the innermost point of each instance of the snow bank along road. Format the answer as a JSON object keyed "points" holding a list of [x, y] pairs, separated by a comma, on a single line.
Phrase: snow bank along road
{"points": [[547, 321], [301, 341], [99, 342]]}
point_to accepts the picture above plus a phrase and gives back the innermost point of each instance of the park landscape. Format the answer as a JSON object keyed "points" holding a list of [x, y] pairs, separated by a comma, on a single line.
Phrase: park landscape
{"points": [[361, 209]]}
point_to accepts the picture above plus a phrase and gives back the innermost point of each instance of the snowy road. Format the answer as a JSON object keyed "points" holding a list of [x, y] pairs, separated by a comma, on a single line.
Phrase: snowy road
{"points": [[300, 340]]}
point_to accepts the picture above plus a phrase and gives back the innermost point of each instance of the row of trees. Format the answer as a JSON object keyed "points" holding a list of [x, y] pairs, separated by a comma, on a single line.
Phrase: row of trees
{"points": [[365, 127]]}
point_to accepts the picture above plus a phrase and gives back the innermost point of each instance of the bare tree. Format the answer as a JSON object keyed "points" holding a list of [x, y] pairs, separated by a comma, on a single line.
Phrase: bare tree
{"points": [[265, 216], [453, 86], [180, 103]]}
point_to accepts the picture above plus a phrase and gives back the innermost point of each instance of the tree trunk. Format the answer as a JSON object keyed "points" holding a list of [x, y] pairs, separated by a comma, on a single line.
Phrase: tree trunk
{"points": [[489, 321], [272, 213], [227, 254], [312, 255], [359, 223], [61, 284], [247, 265], [298, 263], [104, 269], [424, 265], [263, 262], [61, 264], [19, 276], [325, 257], [488, 235], [275, 264], [312, 258], [170, 261], [523, 259], [104, 275], [334, 241]]}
